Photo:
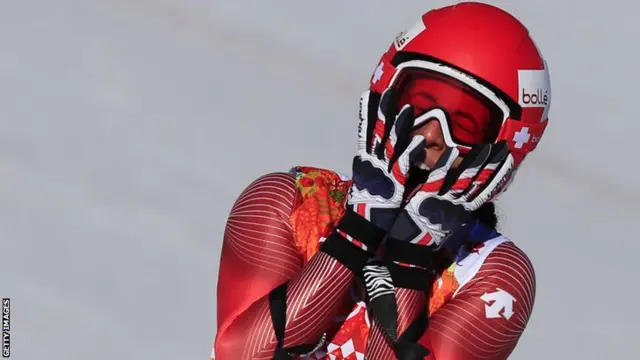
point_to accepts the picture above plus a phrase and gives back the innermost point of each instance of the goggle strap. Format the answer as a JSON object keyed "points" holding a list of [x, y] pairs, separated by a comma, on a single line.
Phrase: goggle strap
{"points": [[522, 137]]}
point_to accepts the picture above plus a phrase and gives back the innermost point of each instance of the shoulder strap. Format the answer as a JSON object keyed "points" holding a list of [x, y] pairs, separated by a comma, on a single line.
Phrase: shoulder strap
{"points": [[278, 311]]}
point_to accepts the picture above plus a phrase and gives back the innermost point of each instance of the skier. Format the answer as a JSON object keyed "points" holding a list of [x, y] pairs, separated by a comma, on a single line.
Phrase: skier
{"points": [[402, 260]]}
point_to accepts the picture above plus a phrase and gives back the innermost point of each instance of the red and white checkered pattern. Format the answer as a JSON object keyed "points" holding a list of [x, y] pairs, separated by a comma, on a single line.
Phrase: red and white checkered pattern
{"points": [[351, 340]]}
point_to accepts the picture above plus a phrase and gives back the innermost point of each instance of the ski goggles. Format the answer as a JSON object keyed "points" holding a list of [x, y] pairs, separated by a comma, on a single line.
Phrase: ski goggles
{"points": [[468, 112]]}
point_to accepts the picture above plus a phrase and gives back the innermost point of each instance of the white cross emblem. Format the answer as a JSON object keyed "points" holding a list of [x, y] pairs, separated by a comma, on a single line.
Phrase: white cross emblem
{"points": [[521, 137], [377, 75]]}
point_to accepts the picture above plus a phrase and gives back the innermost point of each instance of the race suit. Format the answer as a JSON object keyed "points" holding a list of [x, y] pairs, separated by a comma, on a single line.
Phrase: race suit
{"points": [[478, 307]]}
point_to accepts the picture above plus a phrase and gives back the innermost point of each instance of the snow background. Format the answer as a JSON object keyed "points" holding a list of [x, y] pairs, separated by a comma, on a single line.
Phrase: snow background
{"points": [[128, 127]]}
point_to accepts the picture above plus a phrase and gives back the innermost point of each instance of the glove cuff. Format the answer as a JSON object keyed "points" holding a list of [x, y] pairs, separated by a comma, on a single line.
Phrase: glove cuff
{"points": [[353, 241], [345, 252], [411, 265], [408, 253], [356, 228], [410, 277]]}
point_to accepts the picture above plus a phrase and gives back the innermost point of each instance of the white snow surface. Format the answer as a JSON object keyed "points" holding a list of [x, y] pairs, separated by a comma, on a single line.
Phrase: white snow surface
{"points": [[128, 128]]}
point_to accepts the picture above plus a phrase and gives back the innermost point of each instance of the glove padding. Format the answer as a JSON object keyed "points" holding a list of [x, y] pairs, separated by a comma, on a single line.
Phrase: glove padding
{"points": [[380, 168], [446, 201], [385, 154]]}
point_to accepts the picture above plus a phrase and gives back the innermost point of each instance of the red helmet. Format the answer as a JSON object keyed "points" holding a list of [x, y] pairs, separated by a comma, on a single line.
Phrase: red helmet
{"points": [[482, 49]]}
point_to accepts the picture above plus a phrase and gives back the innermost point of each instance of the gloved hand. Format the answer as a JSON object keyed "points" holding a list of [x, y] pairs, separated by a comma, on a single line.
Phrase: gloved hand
{"points": [[381, 165], [442, 206], [445, 202], [380, 169], [385, 154]]}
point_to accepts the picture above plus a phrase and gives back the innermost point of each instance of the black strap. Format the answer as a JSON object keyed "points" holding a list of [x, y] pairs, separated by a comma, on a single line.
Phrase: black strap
{"points": [[409, 253], [384, 309], [407, 347], [411, 277], [417, 328], [345, 252], [361, 229], [278, 311]]}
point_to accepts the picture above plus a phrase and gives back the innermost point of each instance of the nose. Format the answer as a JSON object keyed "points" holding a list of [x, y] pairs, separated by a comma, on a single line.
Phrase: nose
{"points": [[435, 144], [432, 133]]}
